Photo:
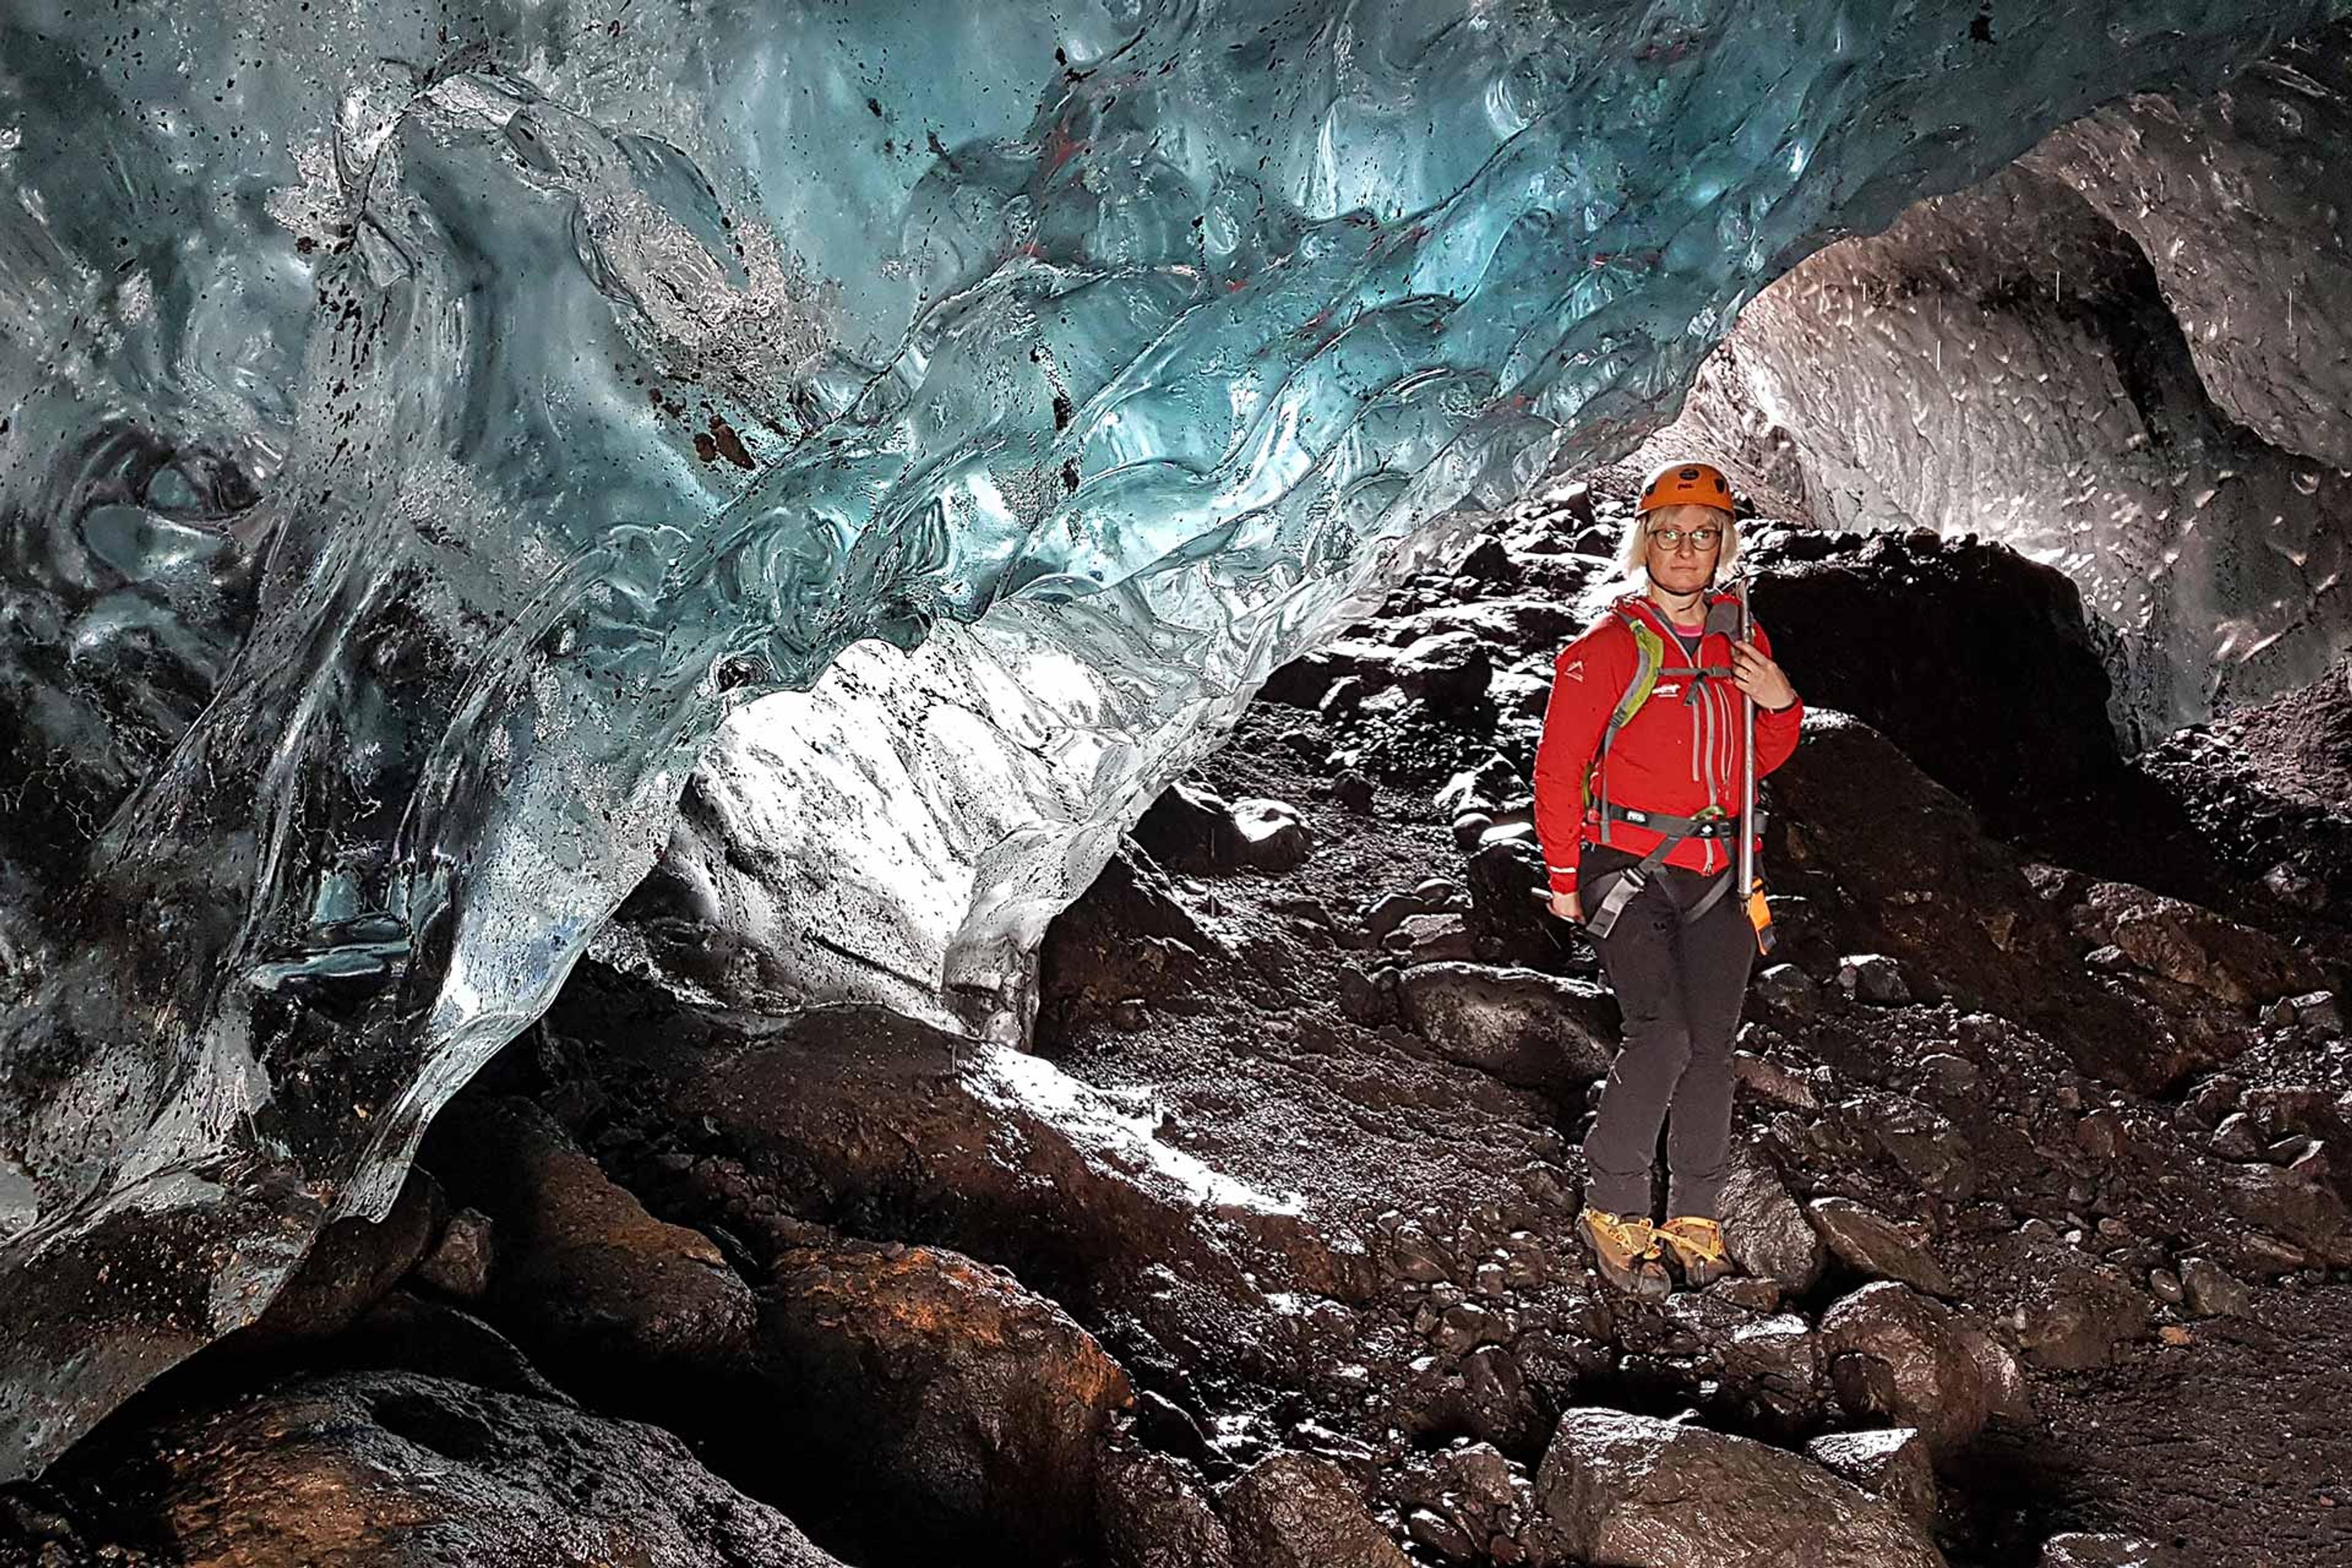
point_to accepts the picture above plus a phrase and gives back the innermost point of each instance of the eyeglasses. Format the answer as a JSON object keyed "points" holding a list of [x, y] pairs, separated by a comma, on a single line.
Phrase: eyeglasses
{"points": [[1702, 539]]}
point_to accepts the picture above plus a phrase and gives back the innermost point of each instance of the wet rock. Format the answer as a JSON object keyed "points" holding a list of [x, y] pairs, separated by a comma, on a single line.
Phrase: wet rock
{"points": [[1270, 837], [1892, 1464], [959, 1406], [1529, 1029], [2238, 1138], [1873, 977], [1153, 1516], [1352, 792], [2068, 1311], [1441, 937], [1293, 1511], [1445, 669], [2293, 1205], [1189, 829], [1785, 988], [2233, 964], [1764, 1230], [2083, 1551], [1777, 1365], [1390, 911], [1645, 1493], [1773, 1082], [1928, 1149], [591, 1283], [2210, 1293], [460, 1262], [1871, 1244], [1480, 788], [1895, 1354], [2319, 1010], [352, 1265], [357, 1470], [1469, 828], [1911, 875], [1509, 919]]}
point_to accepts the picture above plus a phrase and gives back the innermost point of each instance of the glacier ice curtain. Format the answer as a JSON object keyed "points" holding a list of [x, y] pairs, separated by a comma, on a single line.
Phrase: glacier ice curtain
{"points": [[420, 425]]}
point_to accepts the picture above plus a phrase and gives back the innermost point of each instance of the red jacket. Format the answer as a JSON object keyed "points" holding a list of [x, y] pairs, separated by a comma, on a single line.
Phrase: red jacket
{"points": [[1676, 757]]}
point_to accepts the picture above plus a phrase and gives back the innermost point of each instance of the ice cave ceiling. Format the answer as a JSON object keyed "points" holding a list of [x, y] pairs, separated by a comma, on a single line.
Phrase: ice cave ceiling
{"points": [[420, 429]]}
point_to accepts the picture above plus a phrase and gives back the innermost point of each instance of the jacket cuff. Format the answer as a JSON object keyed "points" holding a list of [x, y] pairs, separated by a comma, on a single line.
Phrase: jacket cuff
{"points": [[1563, 881]]}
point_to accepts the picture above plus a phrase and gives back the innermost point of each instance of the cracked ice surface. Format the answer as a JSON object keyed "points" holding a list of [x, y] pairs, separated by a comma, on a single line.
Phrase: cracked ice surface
{"points": [[420, 427]]}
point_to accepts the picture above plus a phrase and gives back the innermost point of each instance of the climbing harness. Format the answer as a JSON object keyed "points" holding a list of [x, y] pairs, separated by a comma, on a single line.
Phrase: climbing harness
{"points": [[1618, 888]]}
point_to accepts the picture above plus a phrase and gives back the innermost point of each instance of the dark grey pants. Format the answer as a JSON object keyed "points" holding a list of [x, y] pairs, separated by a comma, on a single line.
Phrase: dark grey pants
{"points": [[1679, 987]]}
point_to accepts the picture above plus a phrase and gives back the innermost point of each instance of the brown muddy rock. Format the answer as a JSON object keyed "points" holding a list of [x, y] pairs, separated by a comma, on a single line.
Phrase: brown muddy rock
{"points": [[952, 1401], [2233, 964], [1189, 828], [588, 1279], [1155, 1516], [1127, 935], [1869, 1242], [461, 1262], [1467, 1502], [1272, 838], [1895, 1354], [1529, 1029], [1899, 865], [1292, 1511], [393, 1470], [2296, 1205], [1765, 1231], [1638, 1492], [352, 1265], [1892, 1464], [1925, 1146], [2066, 1311]]}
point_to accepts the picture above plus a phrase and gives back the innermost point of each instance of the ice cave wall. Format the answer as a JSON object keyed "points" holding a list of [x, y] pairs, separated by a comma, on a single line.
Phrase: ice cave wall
{"points": [[418, 430], [2126, 356]]}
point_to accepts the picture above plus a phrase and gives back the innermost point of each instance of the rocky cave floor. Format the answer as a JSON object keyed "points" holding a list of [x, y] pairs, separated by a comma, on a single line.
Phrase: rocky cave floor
{"points": [[1264, 1256]]}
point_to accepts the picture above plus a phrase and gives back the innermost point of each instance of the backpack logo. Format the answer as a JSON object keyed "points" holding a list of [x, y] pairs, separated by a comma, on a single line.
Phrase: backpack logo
{"points": [[1574, 672], [1667, 688]]}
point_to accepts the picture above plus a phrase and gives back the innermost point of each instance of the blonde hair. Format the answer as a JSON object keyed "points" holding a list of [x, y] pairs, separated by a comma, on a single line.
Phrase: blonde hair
{"points": [[1634, 548]]}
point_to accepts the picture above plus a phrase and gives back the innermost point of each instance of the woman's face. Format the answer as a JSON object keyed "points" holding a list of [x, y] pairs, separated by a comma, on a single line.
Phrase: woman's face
{"points": [[1687, 565]]}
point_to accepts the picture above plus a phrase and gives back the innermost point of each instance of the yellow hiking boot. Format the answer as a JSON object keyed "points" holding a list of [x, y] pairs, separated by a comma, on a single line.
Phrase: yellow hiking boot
{"points": [[1697, 1246], [1627, 1251]]}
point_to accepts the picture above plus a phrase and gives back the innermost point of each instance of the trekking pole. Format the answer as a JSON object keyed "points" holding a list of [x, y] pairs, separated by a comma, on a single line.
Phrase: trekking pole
{"points": [[1751, 885]]}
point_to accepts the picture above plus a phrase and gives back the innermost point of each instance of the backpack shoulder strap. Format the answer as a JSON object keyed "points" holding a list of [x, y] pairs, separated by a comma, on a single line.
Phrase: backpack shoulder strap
{"points": [[1649, 659]]}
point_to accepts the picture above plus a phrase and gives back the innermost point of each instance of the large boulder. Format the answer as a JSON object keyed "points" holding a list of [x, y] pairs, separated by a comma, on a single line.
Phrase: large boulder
{"points": [[396, 1471], [1897, 865], [1897, 1355], [937, 1398], [1869, 1242], [1293, 1511], [1893, 1463], [2066, 1311], [350, 1266], [1765, 1231], [1639, 1492], [599, 1289], [1529, 1029]]}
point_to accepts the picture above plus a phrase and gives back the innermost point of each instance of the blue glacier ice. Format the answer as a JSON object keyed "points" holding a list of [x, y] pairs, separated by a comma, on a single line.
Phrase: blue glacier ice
{"points": [[421, 427]]}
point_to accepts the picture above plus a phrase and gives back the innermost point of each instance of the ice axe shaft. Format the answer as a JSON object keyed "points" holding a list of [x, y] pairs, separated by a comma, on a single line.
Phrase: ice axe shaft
{"points": [[1751, 886]]}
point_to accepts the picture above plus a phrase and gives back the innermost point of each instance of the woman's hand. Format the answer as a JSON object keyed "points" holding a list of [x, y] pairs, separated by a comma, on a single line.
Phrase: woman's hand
{"points": [[1760, 678], [1566, 906]]}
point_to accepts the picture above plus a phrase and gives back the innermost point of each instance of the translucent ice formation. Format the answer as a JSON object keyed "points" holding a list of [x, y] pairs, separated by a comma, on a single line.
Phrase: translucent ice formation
{"points": [[418, 426]]}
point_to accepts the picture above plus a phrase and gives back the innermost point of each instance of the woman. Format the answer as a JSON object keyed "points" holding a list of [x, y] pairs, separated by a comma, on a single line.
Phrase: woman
{"points": [[1639, 821]]}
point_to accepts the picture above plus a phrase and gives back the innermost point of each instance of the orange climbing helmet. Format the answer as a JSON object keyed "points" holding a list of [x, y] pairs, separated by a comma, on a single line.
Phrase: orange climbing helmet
{"points": [[1685, 484]]}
